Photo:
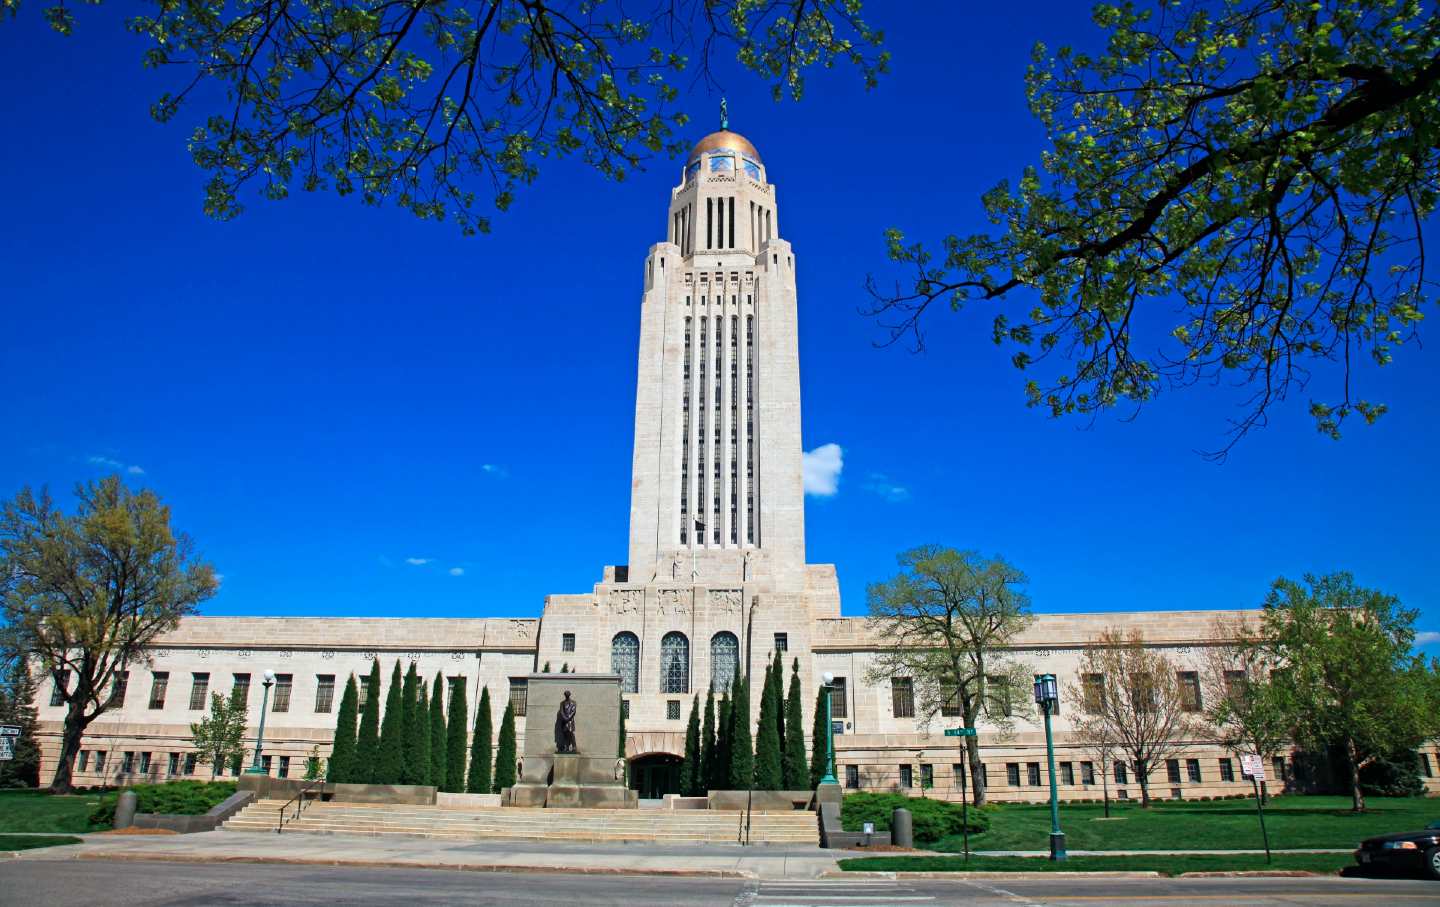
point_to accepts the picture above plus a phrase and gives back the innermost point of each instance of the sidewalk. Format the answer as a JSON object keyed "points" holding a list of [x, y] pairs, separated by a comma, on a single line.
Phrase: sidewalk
{"points": [[773, 862]]}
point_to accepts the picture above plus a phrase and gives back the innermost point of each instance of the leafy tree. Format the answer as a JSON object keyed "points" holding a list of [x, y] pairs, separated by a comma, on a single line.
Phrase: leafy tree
{"points": [[220, 734], [742, 756], [314, 765], [478, 779], [690, 783], [796, 772], [769, 768], [455, 742], [819, 741], [1239, 699], [420, 771], [1239, 188], [390, 757], [946, 623], [1140, 705], [342, 751], [439, 763], [707, 743], [86, 593], [1345, 672], [449, 108], [411, 769], [505, 752], [366, 769], [724, 728], [17, 707]]}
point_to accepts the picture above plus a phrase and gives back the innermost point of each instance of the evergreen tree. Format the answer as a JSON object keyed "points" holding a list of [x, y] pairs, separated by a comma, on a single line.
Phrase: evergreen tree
{"points": [[390, 757], [690, 769], [410, 769], [19, 709], [720, 780], [342, 751], [769, 773], [478, 779], [742, 756], [797, 773], [455, 740], [546, 669], [439, 764], [420, 747], [819, 753], [505, 752], [707, 744], [779, 694], [367, 734], [620, 744]]}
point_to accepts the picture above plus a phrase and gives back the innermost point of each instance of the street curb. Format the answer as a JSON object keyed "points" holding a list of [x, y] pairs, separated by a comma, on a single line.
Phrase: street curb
{"points": [[415, 864], [991, 876], [1256, 874]]}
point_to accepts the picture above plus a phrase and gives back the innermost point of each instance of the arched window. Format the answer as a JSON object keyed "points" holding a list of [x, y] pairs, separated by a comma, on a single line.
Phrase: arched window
{"points": [[724, 660], [625, 661], [674, 663]]}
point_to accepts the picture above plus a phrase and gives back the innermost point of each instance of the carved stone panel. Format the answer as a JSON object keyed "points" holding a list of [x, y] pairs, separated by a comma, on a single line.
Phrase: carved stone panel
{"points": [[626, 601], [675, 601], [725, 600]]}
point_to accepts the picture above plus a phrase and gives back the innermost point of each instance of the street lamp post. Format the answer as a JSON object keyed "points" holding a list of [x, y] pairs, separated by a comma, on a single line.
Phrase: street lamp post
{"points": [[829, 680], [256, 768], [1047, 696]]}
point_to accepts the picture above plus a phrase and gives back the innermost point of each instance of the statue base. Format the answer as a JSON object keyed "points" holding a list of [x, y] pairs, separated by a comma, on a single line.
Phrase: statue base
{"points": [[572, 781]]}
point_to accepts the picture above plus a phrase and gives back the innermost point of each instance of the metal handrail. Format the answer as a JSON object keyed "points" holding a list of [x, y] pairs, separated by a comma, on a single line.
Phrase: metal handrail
{"points": [[299, 801]]}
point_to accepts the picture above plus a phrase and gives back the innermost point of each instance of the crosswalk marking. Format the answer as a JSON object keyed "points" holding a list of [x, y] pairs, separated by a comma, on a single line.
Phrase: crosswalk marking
{"points": [[838, 892]]}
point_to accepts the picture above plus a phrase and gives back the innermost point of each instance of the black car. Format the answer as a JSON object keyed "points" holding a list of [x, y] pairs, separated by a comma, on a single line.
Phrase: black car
{"points": [[1409, 851]]}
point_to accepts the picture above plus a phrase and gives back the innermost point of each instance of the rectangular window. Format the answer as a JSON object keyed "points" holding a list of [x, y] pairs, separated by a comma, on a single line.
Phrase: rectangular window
{"points": [[199, 690], [1087, 773], [1234, 683], [519, 689], [362, 691], [1227, 770], [782, 642], [1012, 774], [84, 759], [1034, 771], [127, 762], [839, 704], [265, 763], [1189, 690], [1425, 766], [1192, 768], [324, 692], [1067, 773], [997, 692], [852, 777], [625, 707], [1093, 693], [672, 709], [281, 702], [1122, 775], [1279, 765], [159, 680], [122, 683], [189, 763], [902, 697], [927, 776], [284, 767], [950, 701], [567, 642], [1172, 770], [62, 683], [240, 688], [99, 760], [907, 777], [144, 763]]}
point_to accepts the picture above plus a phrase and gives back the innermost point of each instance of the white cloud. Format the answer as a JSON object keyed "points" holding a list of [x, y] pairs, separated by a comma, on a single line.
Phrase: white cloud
{"points": [[880, 484], [219, 579], [135, 470], [112, 463], [457, 571], [495, 470], [1426, 637], [821, 468], [418, 561]]}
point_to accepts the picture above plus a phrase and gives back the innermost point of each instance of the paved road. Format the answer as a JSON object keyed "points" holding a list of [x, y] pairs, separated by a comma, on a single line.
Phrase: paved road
{"points": [[87, 883]]}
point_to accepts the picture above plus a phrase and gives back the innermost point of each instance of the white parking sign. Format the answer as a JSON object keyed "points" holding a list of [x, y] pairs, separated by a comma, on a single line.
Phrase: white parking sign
{"points": [[1252, 766], [7, 748]]}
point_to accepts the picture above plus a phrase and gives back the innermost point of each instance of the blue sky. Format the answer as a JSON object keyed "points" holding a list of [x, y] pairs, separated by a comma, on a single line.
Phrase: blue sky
{"points": [[328, 393]]}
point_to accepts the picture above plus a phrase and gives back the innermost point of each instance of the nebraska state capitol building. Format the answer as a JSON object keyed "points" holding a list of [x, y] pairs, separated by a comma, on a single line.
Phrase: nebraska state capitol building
{"points": [[716, 581]]}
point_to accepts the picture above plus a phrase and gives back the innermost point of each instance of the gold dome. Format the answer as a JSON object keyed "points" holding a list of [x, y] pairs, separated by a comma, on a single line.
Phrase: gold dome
{"points": [[724, 140]]}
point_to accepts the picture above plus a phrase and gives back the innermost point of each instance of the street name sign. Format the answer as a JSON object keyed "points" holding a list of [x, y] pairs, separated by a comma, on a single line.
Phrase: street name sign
{"points": [[959, 732], [9, 730]]}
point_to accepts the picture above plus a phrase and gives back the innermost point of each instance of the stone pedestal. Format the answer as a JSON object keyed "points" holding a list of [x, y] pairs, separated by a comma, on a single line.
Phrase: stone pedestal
{"points": [[579, 780], [572, 781]]}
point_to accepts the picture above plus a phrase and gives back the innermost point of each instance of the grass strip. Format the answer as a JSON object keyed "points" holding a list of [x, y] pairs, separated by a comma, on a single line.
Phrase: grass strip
{"points": [[31, 842], [1168, 865]]}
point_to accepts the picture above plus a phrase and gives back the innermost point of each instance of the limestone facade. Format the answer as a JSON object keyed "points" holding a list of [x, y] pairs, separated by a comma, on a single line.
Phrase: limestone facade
{"points": [[716, 582]]}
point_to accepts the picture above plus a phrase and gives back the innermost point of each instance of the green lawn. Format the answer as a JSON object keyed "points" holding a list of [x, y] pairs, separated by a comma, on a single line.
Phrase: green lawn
{"points": [[36, 811], [1294, 822], [1324, 863], [30, 842]]}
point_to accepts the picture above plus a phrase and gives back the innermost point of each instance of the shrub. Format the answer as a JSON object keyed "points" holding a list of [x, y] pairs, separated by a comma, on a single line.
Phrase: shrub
{"points": [[932, 819], [179, 798]]}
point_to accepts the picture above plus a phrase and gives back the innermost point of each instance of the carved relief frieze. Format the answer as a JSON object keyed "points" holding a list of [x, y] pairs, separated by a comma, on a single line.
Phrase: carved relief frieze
{"points": [[725, 600], [675, 601], [626, 601]]}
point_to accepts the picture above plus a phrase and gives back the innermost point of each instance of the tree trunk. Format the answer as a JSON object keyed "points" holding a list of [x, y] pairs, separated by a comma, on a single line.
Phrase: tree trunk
{"points": [[70, 737], [977, 779], [1357, 796], [1264, 793], [1105, 786], [1141, 769]]}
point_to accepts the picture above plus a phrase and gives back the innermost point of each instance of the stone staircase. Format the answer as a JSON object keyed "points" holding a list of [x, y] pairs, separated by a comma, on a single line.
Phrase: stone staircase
{"points": [[512, 824]]}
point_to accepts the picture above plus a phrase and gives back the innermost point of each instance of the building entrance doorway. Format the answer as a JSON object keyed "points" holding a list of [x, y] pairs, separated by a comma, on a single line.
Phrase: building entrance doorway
{"points": [[655, 775]]}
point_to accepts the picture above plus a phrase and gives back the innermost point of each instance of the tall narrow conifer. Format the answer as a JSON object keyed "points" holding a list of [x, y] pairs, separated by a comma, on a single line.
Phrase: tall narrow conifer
{"points": [[723, 730], [411, 771], [420, 748], [477, 781], [797, 773], [707, 743], [455, 739], [342, 750], [768, 765], [366, 769], [819, 743], [505, 751], [390, 763], [778, 671], [742, 756], [690, 783], [439, 764]]}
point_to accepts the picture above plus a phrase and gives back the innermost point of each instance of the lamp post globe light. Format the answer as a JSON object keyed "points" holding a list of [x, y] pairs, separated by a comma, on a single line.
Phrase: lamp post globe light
{"points": [[257, 768], [828, 685], [1047, 696]]}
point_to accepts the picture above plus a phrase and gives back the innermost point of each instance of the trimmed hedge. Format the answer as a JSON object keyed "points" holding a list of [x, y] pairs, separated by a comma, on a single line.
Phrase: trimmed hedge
{"points": [[175, 798], [932, 819]]}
